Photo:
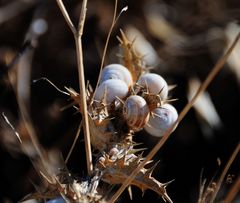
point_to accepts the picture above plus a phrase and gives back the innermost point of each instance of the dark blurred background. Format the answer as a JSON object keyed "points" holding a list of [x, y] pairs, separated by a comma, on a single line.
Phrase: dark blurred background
{"points": [[181, 40]]}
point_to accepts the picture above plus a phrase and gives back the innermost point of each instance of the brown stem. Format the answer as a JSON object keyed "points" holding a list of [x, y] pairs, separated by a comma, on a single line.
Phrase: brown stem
{"points": [[66, 16], [233, 192], [74, 143], [83, 103], [82, 18], [156, 148], [226, 168]]}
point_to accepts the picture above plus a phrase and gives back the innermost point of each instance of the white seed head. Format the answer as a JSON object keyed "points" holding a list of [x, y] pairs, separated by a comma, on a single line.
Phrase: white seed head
{"points": [[136, 112], [162, 118], [116, 71], [155, 84], [110, 90], [113, 151], [101, 159]]}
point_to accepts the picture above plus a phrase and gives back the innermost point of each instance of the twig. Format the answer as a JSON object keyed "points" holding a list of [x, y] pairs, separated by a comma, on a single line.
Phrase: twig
{"points": [[51, 83], [83, 103], [201, 186], [226, 168], [82, 17], [201, 89], [66, 16], [74, 143], [11, 126]]}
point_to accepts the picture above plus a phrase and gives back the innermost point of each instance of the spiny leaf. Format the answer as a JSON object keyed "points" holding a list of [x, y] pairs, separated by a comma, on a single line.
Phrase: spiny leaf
{"points": [[119, 170]]}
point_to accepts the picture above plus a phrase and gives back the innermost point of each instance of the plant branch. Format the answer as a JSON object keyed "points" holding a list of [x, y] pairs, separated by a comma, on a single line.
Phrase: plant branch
{"points": [[201, 89], [66, 16], [83, 103], [81, 78], [82, 17], [226, 168], [74, 143]]}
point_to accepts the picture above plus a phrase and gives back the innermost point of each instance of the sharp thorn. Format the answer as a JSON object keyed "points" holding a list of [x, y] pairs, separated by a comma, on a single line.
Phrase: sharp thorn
{"points": [[130, 192], [167, 183], [151, 169]]}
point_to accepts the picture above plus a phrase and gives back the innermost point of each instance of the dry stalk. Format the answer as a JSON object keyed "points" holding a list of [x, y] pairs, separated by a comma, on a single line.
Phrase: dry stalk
{"points": [[23, 94], [223, 174], [83, 103], [233, 191], [156, 148], [106, 44], [115, 18], [74, 143]]}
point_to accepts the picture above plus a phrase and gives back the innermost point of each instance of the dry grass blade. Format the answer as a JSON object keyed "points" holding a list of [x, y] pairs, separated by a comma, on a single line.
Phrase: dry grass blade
{"points": [[13, 9], [11, 126], [22, 97], [201, 89], [41, 162], [114, 20], [226, 168], [83, 103], [74, 143]]}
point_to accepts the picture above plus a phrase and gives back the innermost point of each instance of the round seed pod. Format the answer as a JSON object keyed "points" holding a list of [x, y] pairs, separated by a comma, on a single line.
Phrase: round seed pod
{"points": [[162, 118], [116, 71], [155, 84], [136, 112], [110, 90]]}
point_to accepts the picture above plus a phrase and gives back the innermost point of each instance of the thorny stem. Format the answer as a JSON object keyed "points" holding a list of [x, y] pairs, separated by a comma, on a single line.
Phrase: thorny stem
{"points": [[226, 168], [167, 134], [83, 103]]}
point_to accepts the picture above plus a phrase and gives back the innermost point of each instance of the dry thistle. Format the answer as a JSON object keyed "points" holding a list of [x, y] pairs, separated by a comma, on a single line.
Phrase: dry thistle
{"points": [[110, 125]]}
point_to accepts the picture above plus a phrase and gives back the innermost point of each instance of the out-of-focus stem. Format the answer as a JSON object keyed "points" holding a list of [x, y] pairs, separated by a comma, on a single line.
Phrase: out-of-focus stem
{"points": [[167, 134]]}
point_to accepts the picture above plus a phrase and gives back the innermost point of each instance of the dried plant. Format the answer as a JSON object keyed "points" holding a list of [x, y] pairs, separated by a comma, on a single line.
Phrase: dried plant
{"points": [[117, 159]]}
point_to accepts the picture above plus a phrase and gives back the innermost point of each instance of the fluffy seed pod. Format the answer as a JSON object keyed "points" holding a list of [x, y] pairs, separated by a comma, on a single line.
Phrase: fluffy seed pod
{"points": [[136, 112], [162, 118], [110, 90], [116, 71], [154, 84]]}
